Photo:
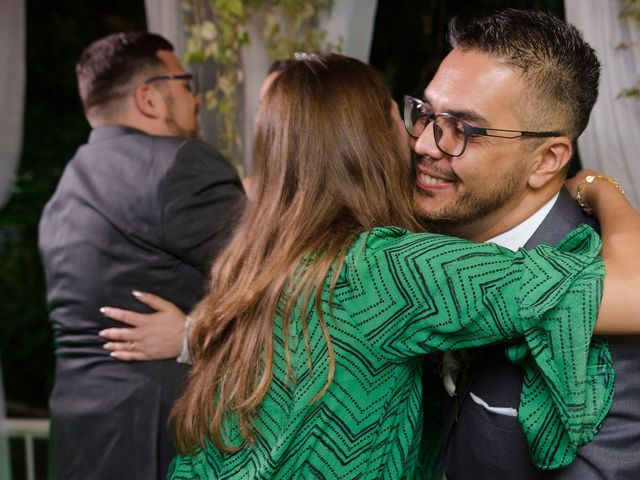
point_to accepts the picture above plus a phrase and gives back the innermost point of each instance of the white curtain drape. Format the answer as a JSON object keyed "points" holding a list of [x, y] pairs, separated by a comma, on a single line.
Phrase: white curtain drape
{"points": [[611, 142], [12, 84], [164, 17], [353, 21], [349, 20]]}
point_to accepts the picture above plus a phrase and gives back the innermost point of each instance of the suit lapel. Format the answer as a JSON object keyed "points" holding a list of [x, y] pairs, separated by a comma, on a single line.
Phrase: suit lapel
{"points": [[565, 216]]}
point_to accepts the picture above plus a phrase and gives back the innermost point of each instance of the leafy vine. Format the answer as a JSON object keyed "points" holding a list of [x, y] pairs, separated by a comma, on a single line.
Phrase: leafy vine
{"points": [[217, 30], [631, 10]]}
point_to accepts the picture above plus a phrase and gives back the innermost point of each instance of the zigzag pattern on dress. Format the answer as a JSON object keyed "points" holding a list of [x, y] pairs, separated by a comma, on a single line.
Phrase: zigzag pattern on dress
{"points": [[399, 296]]}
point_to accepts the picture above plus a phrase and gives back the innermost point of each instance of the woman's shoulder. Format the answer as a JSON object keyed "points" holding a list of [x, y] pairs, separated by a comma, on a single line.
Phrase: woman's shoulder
{"points": [[379, 237], [405, 249], [382, 239], [582, 239]]}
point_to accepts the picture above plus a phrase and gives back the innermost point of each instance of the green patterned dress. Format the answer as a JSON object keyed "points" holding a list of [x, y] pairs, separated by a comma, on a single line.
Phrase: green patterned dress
{"points": [[399, 296]]}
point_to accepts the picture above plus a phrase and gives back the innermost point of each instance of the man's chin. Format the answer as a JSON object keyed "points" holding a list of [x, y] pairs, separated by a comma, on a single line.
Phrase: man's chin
{"points": [[176, 131], [434, 219], [424, 203]]}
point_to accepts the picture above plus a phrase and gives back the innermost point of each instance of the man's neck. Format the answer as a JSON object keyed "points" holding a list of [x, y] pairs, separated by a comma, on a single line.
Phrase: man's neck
{"points": [[128, 118], [519, 235], [504, 219]]}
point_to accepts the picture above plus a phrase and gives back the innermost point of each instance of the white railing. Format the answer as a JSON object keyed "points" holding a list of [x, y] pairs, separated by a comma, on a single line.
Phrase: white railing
{"points": [[28, 429]]}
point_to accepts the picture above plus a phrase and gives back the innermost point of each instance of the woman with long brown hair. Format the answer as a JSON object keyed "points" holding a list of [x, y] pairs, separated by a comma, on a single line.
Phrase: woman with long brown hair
{"points": [[306, 349]]}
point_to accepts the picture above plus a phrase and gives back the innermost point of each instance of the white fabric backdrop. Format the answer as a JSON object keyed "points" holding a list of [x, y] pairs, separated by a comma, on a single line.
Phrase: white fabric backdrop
{"points": [[611, 142], [350, 19], [12, 83], [165, 18]]}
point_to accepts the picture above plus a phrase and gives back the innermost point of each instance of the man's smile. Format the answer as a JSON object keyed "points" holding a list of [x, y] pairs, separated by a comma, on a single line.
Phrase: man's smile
{"points": [[429, 180], [429, 177]]}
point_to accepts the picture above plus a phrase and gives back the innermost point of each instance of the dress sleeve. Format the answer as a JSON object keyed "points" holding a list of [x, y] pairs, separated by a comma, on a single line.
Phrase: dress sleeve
{"points": [[411, 294], [201, 199]]}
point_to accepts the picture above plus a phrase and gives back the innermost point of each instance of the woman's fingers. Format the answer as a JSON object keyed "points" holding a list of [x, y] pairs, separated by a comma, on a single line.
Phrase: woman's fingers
{"points": [[118, 334], [129, 356], [126, 351], [154, 301], [124, 316]]}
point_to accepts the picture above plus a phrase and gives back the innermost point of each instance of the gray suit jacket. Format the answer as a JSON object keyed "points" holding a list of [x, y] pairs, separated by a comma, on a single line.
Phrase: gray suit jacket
{"points": [[131, 211], [484, 445]]}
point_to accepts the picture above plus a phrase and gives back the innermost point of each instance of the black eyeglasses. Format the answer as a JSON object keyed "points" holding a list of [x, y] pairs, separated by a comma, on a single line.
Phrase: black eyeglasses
{"points": [[452, 134], [190, 80]]}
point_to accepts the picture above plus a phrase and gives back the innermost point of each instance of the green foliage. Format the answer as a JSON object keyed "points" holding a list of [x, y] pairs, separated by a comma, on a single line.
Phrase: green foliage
{"points": [[633, 92], [630, 10], [288, 28], [217, 30]]}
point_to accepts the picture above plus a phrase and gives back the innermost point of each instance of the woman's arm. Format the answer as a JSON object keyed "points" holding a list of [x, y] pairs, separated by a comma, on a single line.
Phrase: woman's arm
{"points": [[620, 232]]}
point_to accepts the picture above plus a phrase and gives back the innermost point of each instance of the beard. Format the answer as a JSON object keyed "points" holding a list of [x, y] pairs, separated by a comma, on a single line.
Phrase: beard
{"points": [[470, 205], [173, 126], [177, 131]]}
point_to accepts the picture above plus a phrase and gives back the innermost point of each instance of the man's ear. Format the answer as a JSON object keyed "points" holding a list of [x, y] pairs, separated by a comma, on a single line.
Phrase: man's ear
{"points": [[149, 101], [552, 157]]}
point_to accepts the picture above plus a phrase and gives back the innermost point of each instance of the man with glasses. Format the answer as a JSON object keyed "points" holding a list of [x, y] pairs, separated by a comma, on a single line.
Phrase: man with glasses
{"points": [[142, 206], [493, 137]]}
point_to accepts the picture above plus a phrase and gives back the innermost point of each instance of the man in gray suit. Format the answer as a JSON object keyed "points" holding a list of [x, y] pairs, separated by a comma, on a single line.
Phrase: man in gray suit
{"points": [[143, 205], [494, 138]]}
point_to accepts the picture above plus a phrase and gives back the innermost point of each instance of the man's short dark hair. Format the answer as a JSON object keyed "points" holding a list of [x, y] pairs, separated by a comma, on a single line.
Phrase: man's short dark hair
{"points": [[560, 70], [108, 65]]}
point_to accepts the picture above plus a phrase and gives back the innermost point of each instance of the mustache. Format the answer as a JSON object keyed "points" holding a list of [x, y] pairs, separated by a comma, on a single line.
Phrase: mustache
{"points": [[435, 167]]}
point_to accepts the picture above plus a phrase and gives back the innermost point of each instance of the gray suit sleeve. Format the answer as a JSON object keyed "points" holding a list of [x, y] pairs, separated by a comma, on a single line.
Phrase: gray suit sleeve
{"points": [[201, 197]]}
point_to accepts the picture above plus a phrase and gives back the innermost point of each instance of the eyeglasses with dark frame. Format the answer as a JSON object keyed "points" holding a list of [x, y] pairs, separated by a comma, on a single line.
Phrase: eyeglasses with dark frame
{"points": [[452, 134], [189, 77]]}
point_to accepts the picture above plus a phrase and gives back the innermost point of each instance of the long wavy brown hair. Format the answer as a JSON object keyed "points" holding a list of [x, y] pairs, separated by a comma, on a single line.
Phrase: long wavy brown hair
{"points": [[327, 166]]}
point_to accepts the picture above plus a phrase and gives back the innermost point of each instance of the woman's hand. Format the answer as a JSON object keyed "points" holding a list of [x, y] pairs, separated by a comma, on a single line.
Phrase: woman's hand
{"points": [[152, 336]]}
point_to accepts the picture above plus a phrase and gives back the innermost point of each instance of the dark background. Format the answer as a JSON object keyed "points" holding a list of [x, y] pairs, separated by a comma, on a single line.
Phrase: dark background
{"points": [[409, 42], [54, 126], [410, 36]]}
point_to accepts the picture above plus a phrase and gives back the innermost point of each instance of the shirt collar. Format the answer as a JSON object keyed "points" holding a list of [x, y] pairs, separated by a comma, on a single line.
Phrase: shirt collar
{"points": [[518, 235]]}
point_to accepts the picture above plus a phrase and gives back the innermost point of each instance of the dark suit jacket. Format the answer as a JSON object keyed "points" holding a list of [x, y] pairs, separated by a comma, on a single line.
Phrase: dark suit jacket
{"points": [[484, 445], [131, 211]]}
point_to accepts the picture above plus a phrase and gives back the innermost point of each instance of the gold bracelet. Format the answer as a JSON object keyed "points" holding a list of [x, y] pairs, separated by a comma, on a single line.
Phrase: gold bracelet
{"points": [[590, 179]]}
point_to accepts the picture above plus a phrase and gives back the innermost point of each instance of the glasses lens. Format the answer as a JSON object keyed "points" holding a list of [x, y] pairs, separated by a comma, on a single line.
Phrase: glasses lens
{"points": [[414, 118], [450, 135]]}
